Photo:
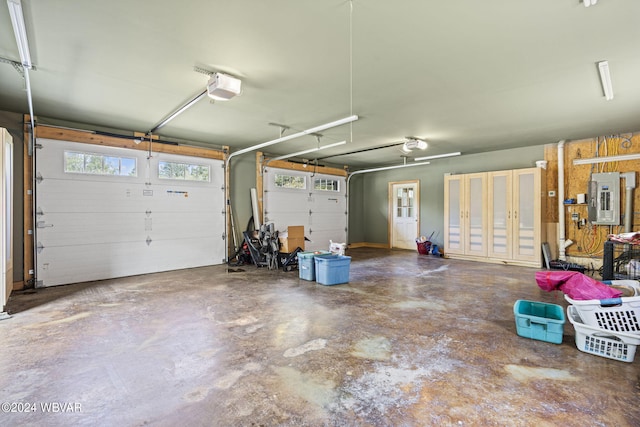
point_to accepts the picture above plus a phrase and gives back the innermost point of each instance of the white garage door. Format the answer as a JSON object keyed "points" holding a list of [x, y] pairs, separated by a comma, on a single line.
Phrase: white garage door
{"points": [[105, 212], [303, 198]]}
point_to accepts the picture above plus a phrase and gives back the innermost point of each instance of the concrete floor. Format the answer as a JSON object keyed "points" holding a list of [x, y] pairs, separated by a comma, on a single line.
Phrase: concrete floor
{"points": [[411, 341]]}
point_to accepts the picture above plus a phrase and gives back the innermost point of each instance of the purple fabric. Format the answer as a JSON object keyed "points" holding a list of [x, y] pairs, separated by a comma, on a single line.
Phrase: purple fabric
{"points": [[575, 285]]}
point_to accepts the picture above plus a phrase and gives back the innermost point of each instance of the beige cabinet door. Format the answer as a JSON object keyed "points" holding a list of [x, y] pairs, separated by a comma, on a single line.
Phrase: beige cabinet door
{"points": [[475, 214], [454, 214], [500, 221], [527, 215]]}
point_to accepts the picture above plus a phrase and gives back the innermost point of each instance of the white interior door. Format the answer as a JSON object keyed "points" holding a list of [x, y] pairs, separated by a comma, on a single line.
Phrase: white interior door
{"points": [[6, 196], [405, 226], [105, 212], [315, 201]]}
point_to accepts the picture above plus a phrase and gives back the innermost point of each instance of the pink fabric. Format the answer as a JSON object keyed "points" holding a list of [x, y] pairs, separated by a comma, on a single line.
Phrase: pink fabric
{"points": [[575, 284], [633, 238]]}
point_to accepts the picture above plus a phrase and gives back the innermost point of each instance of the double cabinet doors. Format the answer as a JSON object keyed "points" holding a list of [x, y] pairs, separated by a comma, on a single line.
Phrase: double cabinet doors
{"points": [[494, 214], [466, 218], [514, 215]]}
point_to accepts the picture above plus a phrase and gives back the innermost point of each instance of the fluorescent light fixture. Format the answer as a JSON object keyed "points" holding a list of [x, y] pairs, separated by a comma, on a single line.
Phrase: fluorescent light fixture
{"points": [[310, 150], [605, 78], [223, 87], [295, 135], [619, 158], [19, 29], [384, 168], [437, 156]]}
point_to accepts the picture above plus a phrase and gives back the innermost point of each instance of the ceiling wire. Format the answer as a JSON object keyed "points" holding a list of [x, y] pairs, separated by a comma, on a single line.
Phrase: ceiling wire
{"points": [[351, 68]]}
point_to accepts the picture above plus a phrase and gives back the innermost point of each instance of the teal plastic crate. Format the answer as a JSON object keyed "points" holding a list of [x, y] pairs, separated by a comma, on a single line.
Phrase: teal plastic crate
{"points": [[332, 270], [306, 264], [539, 321]]}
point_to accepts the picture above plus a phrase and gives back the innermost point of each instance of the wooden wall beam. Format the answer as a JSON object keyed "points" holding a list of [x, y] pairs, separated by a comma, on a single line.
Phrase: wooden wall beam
{"points": [[282, 164], [27, 198], [259, 184], [88, 137]]}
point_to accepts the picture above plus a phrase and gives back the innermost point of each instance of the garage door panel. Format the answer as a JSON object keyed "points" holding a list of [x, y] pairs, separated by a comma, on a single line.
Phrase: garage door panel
{"points": [[185, 198], [87, 196], [71, 264], [100, 196], [59, 229], [164, 225], [283, 220], [325, 221], [184, 253], [119, 260], [328, 205], [286, 201]]}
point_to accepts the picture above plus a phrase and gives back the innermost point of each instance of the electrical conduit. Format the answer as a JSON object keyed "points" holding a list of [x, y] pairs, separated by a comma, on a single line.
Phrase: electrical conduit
{"points": [[561, 213]]}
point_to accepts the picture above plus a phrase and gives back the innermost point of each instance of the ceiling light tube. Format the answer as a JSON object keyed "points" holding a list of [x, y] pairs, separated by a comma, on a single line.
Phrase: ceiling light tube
{"points": [[437, 156], [605, 79], [296, 135], [384, 168], [20, 31], [619, 158], [311, 150]]}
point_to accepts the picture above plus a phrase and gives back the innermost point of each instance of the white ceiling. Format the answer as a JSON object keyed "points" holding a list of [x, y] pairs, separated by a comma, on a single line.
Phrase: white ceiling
{"points": [[466, 75]]}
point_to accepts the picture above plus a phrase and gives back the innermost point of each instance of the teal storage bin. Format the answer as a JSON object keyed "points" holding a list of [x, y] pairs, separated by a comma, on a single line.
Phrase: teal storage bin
{"points": [[332, 270], [306, 264], [539, 321]]}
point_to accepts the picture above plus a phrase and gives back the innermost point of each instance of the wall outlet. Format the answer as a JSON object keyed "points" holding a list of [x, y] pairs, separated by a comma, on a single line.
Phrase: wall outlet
{"points": [[552, 193]]}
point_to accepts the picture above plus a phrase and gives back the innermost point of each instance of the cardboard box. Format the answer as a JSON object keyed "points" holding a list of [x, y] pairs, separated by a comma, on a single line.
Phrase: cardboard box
{"points": [[290, 245], [292, 239], [295, 231]]}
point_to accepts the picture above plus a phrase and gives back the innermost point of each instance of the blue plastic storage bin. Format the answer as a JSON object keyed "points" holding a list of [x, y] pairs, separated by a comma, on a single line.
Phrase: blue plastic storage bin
{"points": [[332, 270], [306, 264], [539, 320]]}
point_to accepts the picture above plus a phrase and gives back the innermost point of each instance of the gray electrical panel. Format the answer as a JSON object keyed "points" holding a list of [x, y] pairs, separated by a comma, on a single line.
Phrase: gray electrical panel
{"points": [[604, 198]]}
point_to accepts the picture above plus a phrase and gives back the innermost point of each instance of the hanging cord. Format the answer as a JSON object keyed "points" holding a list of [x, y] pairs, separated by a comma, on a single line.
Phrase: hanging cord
{"points": [[149, 156], [351, 68]]}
